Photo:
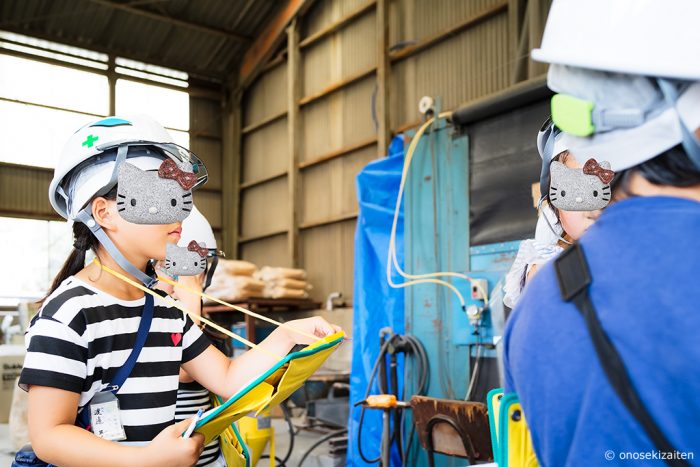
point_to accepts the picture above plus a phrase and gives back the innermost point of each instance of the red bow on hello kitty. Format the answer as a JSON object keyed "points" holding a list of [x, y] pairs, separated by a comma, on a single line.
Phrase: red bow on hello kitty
{"points": [[591, 167], [194, 246], [169, 169]]}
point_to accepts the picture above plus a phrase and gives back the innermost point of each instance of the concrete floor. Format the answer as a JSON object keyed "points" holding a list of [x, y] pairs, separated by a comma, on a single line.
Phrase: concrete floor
{"points": [[6, 454], [302, 441]]}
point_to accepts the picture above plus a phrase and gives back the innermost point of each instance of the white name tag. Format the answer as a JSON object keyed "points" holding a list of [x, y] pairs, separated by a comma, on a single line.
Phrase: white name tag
{"points": [[105, 421]]}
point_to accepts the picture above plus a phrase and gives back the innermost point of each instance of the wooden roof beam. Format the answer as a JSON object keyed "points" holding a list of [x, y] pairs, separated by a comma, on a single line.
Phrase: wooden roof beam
{"points": [[257, 56]]}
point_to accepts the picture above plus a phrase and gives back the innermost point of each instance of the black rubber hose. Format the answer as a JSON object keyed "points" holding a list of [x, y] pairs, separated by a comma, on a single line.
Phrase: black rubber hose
{"points": [[422, 368], [320, 442], [288, 417], [382, 353]]}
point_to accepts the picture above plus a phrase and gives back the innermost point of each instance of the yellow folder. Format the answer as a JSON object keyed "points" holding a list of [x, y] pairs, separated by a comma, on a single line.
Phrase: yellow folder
{"points": [[271, 388]]}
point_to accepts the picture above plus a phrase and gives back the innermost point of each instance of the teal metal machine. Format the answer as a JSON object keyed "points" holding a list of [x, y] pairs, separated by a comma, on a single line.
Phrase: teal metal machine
{"points": [[437, 238]]}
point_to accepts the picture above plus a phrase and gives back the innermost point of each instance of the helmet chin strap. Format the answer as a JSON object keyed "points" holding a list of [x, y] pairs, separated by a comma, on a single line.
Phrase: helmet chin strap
{"points": [[86, 218], [690, 142], [210, 272], [549, 224]]}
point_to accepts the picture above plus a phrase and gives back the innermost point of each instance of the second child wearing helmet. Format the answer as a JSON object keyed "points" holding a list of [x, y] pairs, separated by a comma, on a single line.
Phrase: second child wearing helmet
{"points": [[192, 396], [622, 100], [87, 325], [556, 228]]}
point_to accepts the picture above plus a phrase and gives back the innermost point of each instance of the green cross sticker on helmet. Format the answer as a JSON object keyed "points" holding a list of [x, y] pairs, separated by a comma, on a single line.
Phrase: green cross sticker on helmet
{"points": [[90, 140], [86, 164]]}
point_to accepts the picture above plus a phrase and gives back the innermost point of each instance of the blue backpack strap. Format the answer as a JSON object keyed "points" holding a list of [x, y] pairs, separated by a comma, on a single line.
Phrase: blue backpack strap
{"points": [[124, 371], [575, 279]]}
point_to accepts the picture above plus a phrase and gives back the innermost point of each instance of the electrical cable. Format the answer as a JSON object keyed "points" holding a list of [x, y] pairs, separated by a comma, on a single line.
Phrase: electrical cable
{"points": [[411, 346], [426, 278], [419, 350], [382, 352], [288, 418], [320, 442], [475, 373]]}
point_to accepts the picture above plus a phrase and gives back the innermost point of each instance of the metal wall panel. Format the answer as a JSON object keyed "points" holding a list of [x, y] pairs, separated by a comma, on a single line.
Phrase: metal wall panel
{"points": [[220, 242], [265, 151], [205, 119], [265, 208], [270, 251], [209, 203], [328, 190], [469, 65], [327, 12], [413, 20], [209, 150], [339, 120], [327, 255], [205, 116], [267, 96], [23, 192], [345, 53]]}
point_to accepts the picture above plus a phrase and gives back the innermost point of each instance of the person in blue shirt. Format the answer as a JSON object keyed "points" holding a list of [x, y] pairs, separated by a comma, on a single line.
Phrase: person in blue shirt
{"points": [[643, 254]]}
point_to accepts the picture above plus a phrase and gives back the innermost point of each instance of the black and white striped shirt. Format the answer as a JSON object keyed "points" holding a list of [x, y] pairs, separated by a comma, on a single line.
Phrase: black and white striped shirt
{"points": [[190, 398], [80, 338]]}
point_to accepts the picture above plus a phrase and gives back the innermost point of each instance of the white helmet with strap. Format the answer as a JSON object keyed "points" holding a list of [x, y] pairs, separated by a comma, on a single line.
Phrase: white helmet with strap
{"points": [[88, 167], [642, 37], [653, 105], [196, 228]]}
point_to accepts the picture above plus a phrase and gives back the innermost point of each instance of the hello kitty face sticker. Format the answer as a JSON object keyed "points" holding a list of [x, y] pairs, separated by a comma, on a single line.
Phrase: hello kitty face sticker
{"points": [[149, 197], [586, 189], [186, 261]]}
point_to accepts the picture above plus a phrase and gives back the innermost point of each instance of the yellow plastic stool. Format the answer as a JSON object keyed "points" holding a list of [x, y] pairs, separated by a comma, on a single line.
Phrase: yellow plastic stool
{"points": [[256, 433]]}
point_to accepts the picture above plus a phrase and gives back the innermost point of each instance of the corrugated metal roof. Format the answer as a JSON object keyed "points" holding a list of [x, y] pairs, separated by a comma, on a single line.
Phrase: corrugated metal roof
{"points": [[223, 31]]}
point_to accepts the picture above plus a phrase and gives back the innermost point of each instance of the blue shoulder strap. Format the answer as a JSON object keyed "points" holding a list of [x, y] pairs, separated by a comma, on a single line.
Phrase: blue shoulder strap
{"points": [[124, 371]]}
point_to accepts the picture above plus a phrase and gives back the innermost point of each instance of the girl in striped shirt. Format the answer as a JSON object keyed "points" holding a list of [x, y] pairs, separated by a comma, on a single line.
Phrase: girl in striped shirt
{"points": [[87, 325]]}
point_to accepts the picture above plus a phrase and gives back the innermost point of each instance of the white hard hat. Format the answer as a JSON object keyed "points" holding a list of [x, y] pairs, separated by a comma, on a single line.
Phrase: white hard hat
{"points": [[654, 123], [196, 227], [627, 74], [86, 164], [645, 37]]}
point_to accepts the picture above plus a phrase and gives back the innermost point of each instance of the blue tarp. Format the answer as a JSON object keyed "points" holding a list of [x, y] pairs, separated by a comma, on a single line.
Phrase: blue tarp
{"points": [[376, 305]]}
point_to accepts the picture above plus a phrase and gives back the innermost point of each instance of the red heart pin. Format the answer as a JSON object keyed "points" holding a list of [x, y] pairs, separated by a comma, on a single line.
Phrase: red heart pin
{"points": [[176, 338]]}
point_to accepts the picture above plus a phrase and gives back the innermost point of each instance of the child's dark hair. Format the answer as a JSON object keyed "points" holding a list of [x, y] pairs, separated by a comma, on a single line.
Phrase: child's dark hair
{"points": [[83, 240], [671, 168]]}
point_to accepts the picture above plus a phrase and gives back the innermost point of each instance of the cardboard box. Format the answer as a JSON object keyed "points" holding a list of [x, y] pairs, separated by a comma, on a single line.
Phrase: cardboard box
{"points": [[11, 361]]}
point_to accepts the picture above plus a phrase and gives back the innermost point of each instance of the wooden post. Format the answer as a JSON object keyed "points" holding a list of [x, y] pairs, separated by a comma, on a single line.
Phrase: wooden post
{"points": [[517, 40], [112, 83], [230, 167], [294, 135], [537, 14], [383, 64]]}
